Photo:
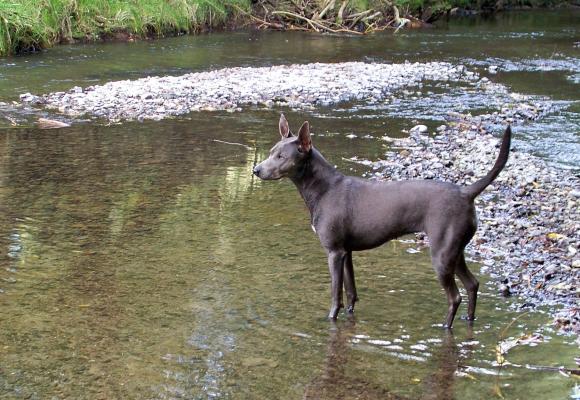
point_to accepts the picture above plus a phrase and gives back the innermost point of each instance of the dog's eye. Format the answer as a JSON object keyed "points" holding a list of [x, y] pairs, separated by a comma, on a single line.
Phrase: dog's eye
{"points": [[280, 155]]}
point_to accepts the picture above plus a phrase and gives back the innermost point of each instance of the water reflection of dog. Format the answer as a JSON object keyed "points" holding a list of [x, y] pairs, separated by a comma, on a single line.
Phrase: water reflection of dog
{"points": [[334, 383], [440, 385]]}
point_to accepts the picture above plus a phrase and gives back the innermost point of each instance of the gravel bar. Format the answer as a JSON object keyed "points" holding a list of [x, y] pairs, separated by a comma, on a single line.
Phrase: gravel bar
{"points": [[296, 86]]}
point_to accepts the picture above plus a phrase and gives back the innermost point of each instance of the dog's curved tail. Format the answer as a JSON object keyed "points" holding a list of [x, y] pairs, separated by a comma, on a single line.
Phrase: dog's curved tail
{"points": [[475, 189]]}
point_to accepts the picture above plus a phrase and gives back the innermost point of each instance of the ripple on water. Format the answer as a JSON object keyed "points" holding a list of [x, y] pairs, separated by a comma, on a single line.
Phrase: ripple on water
{"points": [[555, 138], [559, 63]]}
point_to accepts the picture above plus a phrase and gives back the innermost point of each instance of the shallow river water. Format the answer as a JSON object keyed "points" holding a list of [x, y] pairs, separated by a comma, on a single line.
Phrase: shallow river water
{"points": [[143, 260]]}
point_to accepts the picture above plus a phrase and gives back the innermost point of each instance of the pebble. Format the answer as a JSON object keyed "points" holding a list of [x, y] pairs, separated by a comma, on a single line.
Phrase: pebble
{"points": [[419, 129], [32, 99], [504, 290]]}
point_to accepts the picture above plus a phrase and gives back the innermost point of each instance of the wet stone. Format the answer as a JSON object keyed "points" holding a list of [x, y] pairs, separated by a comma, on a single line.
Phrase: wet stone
{"points": [[504, 290]]}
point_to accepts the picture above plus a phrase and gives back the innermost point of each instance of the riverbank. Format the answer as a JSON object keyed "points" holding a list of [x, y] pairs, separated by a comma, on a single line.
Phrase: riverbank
{"points": [[27, 26]]}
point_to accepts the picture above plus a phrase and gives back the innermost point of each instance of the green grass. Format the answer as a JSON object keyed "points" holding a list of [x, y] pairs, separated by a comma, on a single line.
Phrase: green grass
{"points": [[28, 25]]}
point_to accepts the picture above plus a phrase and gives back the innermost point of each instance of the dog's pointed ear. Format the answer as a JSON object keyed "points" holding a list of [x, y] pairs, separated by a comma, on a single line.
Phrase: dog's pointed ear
{"points": [[304, 140], [284, 128]]}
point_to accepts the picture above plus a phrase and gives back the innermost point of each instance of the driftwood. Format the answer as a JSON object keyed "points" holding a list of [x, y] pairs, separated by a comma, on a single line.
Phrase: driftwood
{"points": [[316, 25], [233, 144], [44, 123], [329, 16]]}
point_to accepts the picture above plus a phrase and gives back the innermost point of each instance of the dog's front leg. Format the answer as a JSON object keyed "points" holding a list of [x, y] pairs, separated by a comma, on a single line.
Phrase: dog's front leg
{"points": [[335, 264], [349, 285]]}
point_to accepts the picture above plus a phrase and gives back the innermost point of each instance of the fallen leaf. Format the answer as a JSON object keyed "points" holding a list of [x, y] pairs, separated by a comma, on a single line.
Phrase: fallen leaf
{"points": [[555, 236]]}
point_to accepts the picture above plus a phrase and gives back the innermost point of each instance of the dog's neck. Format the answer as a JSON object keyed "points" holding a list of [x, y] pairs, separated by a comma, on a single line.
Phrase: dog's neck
{"points": [[314, 179]]}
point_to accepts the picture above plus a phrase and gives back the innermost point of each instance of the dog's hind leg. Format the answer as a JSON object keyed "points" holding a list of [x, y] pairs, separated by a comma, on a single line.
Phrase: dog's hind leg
{"points": [[453, 298], [335, 267], [471, 285], [349, 285], [444, 265]]}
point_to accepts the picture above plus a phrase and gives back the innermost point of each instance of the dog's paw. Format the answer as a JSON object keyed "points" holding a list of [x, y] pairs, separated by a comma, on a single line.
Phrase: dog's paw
{"points": [[333, 313]]}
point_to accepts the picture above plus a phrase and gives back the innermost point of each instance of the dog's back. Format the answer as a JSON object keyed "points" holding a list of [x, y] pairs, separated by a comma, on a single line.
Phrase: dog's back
{"points": [[364, 214]]}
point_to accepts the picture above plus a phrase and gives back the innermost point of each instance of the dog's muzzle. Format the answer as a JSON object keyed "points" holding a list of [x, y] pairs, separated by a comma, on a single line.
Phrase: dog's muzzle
{"points": [[256, 171]]}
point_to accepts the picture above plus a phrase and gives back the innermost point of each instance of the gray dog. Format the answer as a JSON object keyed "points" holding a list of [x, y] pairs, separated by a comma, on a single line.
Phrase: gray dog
{"points": [[351, 214]]}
